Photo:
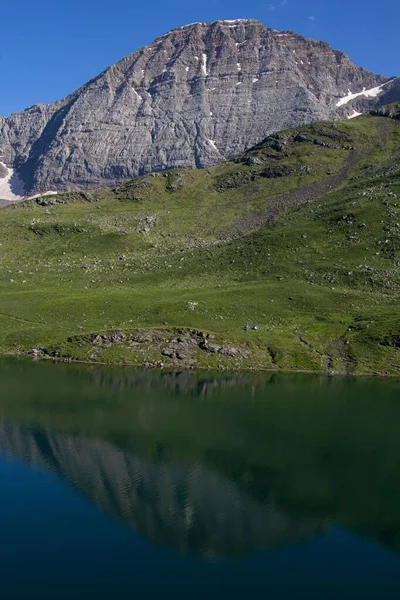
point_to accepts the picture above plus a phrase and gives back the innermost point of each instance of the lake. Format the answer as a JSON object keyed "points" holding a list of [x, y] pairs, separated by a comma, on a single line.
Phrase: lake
{"points": [[116, 483]]}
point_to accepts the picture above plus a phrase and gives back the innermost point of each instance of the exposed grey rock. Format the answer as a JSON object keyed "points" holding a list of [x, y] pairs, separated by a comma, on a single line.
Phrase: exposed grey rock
{"points": [[98, 340], [392, 93], [213, 348], [232, 351], [196, 96], [168, 352]]}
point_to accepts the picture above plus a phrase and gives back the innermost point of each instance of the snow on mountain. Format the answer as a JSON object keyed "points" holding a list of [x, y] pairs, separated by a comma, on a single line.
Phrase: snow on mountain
{"points": [[11, 186], [372, 93]]}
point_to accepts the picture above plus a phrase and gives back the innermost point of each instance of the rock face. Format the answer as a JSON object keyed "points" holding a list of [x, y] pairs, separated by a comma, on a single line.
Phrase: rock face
{"points": [[196, 96]]}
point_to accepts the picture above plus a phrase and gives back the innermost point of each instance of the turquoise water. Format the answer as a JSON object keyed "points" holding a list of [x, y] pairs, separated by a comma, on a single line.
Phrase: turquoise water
{"points": [[117, 484]]}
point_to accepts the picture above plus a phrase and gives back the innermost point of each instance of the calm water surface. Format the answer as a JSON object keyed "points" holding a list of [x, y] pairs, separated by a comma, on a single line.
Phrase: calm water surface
{"points": [[124, 484]]}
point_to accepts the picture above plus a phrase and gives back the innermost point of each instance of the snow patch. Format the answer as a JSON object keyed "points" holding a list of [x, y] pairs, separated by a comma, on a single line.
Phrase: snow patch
{"points": [[211, 114], [196, 58], [204, 64], [239, 66], [187, 69], [235, 21], [135, 92], [372, 93], [212, 143], [255, 79], [191, 24], [41, 195], [218, 21], [354, 114], [11, 186], [239, 83]]}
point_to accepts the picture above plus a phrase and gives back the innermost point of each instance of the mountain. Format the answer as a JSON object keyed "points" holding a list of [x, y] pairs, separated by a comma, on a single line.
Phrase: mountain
{"points": [[196, 96]]}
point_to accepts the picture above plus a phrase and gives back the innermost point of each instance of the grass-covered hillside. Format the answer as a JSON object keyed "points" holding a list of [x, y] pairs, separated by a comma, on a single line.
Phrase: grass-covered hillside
{"points": [[299, 237]]}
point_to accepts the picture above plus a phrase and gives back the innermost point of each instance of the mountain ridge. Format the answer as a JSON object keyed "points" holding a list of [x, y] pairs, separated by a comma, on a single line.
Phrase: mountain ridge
{"points": [[196, 96]]}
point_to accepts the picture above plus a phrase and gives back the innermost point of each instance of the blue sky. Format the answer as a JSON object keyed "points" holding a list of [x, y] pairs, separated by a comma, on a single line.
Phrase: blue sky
{"points": [[47, 49]]}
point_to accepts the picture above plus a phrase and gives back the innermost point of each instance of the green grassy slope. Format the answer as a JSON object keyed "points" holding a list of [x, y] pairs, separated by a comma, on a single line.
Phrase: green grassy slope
{"points": [[299, 236]]}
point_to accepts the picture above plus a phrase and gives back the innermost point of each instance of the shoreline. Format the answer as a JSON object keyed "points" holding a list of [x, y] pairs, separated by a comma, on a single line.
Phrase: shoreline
{"points": [[200, 368]]}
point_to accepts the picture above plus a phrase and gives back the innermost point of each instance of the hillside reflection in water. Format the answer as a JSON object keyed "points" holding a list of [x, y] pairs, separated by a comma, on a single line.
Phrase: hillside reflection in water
{"points": [[217, 468]]}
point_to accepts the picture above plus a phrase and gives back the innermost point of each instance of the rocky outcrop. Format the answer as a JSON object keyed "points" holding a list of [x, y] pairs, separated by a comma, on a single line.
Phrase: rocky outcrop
{"points": [[391, 94], [196, 96]]}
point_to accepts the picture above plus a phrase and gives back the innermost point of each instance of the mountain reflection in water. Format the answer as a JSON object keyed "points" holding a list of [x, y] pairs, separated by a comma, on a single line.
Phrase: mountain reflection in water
{"points": [[192, 509], [210, 464]]}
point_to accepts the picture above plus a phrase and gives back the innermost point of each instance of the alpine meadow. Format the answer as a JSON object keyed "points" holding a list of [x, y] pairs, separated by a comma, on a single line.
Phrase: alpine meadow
{"points": [[284, 258]]}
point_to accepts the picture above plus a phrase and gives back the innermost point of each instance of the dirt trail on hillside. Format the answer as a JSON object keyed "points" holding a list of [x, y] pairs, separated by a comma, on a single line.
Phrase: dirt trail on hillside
{"points": [[303, 194], [296, 197]]}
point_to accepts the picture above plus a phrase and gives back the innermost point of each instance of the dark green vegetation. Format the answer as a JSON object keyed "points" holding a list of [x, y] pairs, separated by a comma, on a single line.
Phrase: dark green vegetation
{"points": [[391, 110], [299, 236], [313, 452]]}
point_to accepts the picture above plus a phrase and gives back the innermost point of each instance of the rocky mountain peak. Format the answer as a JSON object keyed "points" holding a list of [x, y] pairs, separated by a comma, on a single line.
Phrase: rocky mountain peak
{"points": [[197, 95]]}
